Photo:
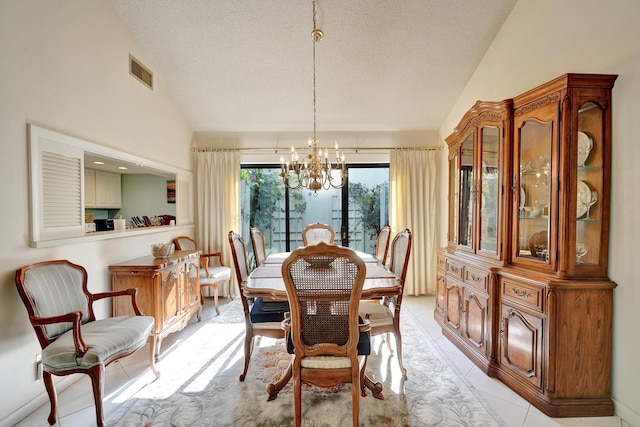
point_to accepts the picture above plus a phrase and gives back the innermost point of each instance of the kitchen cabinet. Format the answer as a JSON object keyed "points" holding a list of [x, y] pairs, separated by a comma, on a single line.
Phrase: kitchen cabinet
{"points": [[89, 188], [108, 190], [168, 290], [102, 190], [525, 289]]}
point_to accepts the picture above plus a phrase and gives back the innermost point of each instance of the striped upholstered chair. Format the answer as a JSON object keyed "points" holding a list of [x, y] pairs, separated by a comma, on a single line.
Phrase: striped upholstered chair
{"points": [[60, 309]]}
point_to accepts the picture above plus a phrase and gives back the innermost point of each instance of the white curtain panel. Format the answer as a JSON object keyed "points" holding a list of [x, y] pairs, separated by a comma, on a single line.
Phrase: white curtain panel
{"points": [[218, 205], [412, 195]]}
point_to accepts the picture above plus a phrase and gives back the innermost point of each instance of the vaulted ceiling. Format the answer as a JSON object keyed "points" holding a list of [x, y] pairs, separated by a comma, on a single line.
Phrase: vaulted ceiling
{"points": [[246, 65]]}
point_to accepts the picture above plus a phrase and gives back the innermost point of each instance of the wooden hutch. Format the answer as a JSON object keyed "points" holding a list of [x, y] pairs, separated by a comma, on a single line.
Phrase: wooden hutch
{"points": [[522, 284]]}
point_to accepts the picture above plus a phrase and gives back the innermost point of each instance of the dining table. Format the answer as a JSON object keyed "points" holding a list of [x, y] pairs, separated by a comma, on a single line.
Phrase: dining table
{"points": [[266, 282]]}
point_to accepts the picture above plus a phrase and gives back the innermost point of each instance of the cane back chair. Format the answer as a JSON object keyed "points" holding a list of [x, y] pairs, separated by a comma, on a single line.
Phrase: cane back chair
{"points": [[324, 284]]}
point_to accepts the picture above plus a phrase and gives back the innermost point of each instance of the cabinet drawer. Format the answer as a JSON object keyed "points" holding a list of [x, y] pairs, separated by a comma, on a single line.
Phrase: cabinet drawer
{"points": [[526, 295], [454, 269], [476, 278]]}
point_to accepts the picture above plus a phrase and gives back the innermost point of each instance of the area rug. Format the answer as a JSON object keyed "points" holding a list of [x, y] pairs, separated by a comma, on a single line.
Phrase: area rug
{"points": [[199, 386]]}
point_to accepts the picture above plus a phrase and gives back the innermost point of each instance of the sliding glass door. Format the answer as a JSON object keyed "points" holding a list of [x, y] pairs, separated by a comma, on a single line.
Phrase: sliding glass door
{"points": [[356, 212]]}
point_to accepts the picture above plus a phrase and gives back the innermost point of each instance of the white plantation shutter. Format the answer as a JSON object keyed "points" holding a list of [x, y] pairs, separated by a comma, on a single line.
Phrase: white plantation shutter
{"points": [[57, 182], [184, 192], [61, 190]]}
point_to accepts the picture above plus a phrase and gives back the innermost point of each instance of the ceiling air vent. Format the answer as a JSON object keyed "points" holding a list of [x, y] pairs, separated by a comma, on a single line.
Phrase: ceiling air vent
{"points": [[140, 72]]}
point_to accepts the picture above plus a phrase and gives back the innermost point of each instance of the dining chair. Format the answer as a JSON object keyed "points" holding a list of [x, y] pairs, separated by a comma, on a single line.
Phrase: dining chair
{"points": [[210, 275], [382, 244], [385, 313], [60, 309], [315, 233], [324, 333], [259, 247], [261, 318]]}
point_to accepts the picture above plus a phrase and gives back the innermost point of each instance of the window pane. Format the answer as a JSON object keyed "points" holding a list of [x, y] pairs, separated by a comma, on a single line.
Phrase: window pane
{"points": [[368, 206], [265, 206], [307, 207]]}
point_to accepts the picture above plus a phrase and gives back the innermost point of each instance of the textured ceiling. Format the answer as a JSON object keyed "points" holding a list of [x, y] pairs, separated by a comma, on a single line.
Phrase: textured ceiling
{"points": [[246, 65]]}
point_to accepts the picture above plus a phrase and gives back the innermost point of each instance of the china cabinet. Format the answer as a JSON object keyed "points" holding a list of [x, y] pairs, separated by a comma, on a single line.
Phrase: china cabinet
{"points": [[477, 224], [168, 290], [526, 297]]}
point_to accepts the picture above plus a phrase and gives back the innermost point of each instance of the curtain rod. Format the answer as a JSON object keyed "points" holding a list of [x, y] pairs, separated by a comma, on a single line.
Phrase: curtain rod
{"points": [[287, 150]]}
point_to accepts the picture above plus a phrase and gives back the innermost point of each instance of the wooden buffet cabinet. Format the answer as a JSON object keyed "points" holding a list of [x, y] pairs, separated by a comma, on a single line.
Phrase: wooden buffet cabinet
{"points": [[168, 290], [522, 284]]}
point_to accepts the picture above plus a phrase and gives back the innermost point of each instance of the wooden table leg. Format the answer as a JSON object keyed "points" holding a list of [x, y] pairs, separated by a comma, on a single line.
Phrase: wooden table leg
{"points": [[274, 388], [376, 388]]}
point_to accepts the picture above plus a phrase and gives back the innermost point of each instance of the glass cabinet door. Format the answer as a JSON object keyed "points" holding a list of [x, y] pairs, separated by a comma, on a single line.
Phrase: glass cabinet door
{"points": [[534, 196], [589, 185], [489, 188], [453, 198], [467, 192]]}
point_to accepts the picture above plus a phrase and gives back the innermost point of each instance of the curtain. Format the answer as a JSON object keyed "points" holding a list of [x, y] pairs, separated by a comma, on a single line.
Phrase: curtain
{"points": [[218, 204], [412, 196]]}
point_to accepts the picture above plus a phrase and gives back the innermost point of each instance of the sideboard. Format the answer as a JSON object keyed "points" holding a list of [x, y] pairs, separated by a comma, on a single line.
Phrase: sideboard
{"points": [[168, 290]]}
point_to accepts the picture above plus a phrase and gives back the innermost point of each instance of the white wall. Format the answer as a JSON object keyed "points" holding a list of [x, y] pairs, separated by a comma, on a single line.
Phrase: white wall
{"points": [[541, 40], [64, 65]]}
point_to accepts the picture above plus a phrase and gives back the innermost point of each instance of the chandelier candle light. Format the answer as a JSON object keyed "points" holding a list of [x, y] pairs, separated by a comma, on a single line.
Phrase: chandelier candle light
{"points": [[314, 172]]}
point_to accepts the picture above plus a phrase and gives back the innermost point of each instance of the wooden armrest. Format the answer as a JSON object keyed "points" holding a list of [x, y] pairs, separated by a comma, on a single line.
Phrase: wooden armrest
{"points": [[75, 318], [204, 261], [214, 255], [133, 292]]}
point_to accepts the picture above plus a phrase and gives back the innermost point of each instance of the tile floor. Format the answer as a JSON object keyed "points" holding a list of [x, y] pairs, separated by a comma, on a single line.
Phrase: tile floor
{"points": [[75, 403]]}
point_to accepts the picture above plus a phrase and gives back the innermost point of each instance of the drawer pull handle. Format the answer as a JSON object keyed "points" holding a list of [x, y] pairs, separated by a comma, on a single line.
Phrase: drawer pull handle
{"points": [[455, 269], [521, 293], [475, 278]]}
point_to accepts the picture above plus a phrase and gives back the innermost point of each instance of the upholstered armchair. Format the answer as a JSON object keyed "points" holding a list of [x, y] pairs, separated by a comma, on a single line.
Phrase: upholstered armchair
{"points": [[60, 309]]}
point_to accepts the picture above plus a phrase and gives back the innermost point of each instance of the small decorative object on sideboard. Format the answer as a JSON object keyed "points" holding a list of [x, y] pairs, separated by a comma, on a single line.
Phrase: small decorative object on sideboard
{"points": [[162, 250]]}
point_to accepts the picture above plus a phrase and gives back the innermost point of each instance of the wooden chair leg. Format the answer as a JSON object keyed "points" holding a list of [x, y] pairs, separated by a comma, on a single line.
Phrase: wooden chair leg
{"points": [[215, 298], [97, 381], [152, 355], [229, 291], [53, 398], [248, 349], [398, 339], [355, 400], [297, 400]]}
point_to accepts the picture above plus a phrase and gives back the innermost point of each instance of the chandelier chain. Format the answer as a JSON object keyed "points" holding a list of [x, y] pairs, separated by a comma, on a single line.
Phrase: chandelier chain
{"points": [[314, 171], [314, 37]]}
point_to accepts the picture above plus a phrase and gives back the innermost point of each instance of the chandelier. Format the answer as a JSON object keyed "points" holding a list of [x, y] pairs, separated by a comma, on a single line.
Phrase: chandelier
{"points": [[314, 171]]}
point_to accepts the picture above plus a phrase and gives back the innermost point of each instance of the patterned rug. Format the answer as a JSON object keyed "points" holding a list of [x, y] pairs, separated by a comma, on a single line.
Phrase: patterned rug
{"points": [[199, 386]]}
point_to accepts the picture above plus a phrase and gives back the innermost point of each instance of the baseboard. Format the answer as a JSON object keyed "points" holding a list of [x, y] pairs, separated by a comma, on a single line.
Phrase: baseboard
{"points": [[41, 399], [626, 414]]}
